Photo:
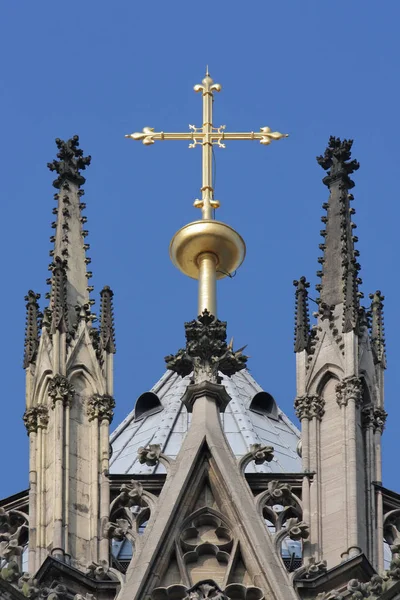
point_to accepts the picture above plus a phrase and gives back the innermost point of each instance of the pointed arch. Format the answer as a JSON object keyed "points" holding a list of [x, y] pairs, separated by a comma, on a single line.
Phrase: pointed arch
{"points": [[323, 375], [82, 370], [41, 387]]}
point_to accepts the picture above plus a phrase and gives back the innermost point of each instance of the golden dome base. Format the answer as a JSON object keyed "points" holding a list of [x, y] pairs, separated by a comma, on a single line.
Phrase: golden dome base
{"points": [[207, 236]]}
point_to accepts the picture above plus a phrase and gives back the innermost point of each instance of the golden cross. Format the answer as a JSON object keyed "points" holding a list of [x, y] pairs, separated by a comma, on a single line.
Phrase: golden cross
{"points": [[207, 136]]}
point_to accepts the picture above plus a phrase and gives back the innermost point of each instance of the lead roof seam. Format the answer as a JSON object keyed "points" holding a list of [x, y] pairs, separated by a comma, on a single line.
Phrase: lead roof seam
{"points": [[141, 423]]}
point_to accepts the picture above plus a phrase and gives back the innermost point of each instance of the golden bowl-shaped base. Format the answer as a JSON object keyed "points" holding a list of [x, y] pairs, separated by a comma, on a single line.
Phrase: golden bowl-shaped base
{"points": [[207, 236]]}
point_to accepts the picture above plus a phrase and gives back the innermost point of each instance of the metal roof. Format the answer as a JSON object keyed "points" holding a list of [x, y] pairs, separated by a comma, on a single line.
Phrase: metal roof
{"points": [[167, 425]]}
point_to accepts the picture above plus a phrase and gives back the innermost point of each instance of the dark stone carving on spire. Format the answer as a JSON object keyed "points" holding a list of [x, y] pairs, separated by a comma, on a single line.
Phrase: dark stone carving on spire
{"points": [[339, 263], [302, 320], [377, 328], [71, 162], [32, 328], [58, 303], [106, 330], [334, 161], [206, 351]]}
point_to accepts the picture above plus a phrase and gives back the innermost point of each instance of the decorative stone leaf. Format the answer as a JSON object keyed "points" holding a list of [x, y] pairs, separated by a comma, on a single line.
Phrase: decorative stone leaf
{"points": [[101, 407], [150, 455], [262, 454], [61, 389], [28, 586], [10, 572], [99, 571], [280, 493], [297, 530]]}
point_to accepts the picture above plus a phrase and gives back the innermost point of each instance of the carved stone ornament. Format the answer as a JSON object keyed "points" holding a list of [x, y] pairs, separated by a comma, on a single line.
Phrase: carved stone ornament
{"points": [[261, 454], [122, 520], [10, 572], [297, 530], [378, 584], [309, 406], [302, 321], [207, 590], [349, 388], [61, 389], [101, 407], [32, 328], [100, 571], [28, 586], [149, 455], [71, 162], [314, 568], [206, 351], [36, 417], [13, 535], [380, 416]]}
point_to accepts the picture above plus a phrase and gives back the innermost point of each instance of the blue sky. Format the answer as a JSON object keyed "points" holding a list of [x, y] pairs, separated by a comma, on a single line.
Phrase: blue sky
{"points": [[103, 69]]}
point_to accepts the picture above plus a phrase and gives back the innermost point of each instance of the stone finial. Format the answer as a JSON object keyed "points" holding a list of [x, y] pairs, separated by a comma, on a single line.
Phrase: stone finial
{"points": [[302, 320], [106, 330], [336, 161], [101, 407], [60, 389], [58, 301], [71, 162], [340, 268], [32, 328], [377, 328], [206, 351]]}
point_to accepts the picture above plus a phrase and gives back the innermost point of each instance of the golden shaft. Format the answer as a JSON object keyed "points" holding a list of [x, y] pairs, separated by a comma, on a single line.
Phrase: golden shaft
{"points": [[207, 191], [207, 262]]}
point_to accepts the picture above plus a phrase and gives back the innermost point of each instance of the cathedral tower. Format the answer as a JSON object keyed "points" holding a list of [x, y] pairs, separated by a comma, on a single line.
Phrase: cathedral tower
{"points": [[340, 365], [69, 403]]}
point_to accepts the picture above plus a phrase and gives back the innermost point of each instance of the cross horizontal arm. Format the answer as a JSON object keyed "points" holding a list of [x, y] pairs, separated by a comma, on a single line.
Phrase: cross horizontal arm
{"points": [[148, 136]]}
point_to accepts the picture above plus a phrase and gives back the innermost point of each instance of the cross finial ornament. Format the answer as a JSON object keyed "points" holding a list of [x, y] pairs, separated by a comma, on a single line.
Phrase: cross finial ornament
{"points": [[207, 136], [207, 249]]}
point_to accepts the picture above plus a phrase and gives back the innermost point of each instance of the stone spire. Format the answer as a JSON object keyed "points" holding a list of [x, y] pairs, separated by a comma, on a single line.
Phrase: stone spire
{"points": [[69, 281], [302, 320], [69, 390], [32, 328], [106, 329], [340, 268], [377, 328]]}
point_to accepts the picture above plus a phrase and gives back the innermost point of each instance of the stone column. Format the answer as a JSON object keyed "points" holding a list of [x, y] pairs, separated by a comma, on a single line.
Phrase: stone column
{"points": [[61, 393], [310, 410], [100, 411], [35, 418], [349, 395]]}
